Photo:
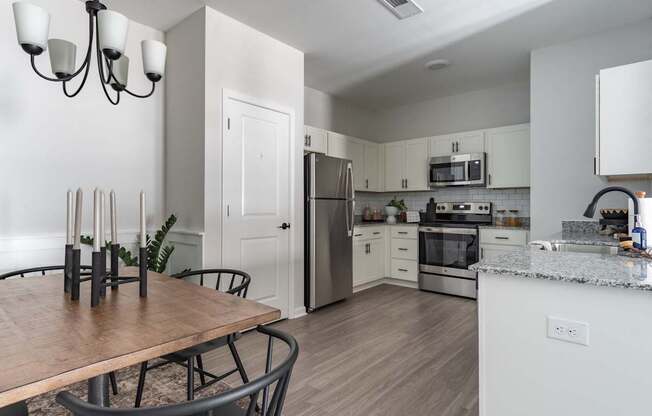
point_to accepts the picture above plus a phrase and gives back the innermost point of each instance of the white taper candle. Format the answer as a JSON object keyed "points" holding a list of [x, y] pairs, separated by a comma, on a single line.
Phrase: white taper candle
{"points": [[143, 221], [114, 224], [69, 218], [102, 219], [78, 218], [96, 220]]}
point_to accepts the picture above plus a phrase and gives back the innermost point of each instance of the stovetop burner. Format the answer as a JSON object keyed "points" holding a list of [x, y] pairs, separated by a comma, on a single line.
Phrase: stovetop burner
{"points": [[458, 214]]}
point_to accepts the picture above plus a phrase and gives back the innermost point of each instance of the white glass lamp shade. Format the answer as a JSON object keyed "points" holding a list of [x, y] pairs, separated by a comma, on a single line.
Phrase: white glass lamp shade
{"points": [[32, 27], [112, 33], [154, 54], [120, 73], [62, 57]]}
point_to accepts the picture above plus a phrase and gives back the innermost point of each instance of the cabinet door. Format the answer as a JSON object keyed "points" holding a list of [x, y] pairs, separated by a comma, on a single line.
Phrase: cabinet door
{"points": [[376, 260], [416, 165], [371, 167], [489, 252], [625, 119], [337, 145], [394, 160], [355, 152], [508, 157], [359, 262], [472, 142], [315, 139], [442, 145]]}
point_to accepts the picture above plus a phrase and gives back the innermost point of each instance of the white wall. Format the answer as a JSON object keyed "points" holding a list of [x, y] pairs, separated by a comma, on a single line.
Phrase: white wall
{"points": [[563, 123], [50, 143], [249, 62], [522, 372], [184, 122], [495, 107], [330, 113]]}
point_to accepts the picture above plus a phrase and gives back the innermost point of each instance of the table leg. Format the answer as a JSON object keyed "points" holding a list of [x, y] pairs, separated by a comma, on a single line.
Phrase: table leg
{"points": [[98, 390]]}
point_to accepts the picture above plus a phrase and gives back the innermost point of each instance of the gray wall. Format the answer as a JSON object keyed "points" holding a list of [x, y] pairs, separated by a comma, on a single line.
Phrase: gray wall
{"points": [[495, 107], [330, 113], [563, 123]]}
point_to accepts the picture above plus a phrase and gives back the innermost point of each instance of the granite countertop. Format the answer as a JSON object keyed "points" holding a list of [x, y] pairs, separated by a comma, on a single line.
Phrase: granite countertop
{"points": [[372, 224], [583, 238], [504, 227], [584, 268]]}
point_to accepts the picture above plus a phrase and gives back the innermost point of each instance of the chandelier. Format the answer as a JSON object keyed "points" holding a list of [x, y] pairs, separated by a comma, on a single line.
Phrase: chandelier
{"points": [[110, 32]]}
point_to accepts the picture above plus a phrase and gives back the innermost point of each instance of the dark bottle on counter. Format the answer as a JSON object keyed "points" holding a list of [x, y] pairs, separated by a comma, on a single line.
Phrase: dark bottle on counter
{"points": [[639, 235]]}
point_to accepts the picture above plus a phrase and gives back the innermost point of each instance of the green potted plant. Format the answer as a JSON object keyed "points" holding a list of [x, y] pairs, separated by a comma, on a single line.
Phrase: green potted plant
{"points": [[394, 207]]}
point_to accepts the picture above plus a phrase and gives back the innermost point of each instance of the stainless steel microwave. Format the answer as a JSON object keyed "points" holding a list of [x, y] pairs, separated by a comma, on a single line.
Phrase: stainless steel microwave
{"points": [[458, 170]]}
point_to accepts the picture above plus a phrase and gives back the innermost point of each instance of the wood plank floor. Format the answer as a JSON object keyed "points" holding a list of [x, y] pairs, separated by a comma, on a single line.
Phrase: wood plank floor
{"points": [[387, 351]]}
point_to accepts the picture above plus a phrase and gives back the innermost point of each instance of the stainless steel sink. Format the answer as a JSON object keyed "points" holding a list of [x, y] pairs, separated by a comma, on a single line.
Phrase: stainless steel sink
{"points": [[585, 248]]}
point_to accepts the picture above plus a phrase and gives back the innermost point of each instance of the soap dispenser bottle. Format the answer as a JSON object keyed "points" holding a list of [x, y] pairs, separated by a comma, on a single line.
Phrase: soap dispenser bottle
{"points": [[639, 235]]}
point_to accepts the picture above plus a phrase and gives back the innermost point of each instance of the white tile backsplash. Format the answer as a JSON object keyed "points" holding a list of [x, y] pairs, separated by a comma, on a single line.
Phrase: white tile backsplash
{"points": [[501, 198]]}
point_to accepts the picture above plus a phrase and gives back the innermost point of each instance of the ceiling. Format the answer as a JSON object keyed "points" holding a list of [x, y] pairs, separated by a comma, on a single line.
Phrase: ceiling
{"points": [[358, 51]]}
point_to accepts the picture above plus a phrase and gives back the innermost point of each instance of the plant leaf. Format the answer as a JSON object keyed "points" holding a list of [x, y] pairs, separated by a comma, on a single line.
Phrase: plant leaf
{"points": [[166, 252]]}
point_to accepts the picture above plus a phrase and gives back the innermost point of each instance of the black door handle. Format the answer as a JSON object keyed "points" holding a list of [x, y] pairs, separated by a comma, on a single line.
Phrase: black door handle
{"points": [[284, 226]]}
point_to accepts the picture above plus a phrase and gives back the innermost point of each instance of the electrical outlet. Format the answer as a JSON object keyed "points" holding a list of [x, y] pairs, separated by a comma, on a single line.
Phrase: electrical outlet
{"points": [[568, 331]]}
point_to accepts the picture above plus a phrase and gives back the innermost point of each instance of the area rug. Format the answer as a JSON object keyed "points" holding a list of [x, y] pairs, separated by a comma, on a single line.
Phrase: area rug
{"points": [[164, 385]]}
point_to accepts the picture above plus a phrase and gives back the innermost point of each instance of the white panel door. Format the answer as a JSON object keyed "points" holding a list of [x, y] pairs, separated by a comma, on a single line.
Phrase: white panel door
{"points": [[256, 197], [416, 165], [508, 157], [472, 142], [355, 152], [371, 166], [394, 159], [442, 145]]}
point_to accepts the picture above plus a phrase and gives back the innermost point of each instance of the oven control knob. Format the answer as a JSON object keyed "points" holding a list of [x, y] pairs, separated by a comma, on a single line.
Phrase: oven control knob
{"points": [[481, 207]]}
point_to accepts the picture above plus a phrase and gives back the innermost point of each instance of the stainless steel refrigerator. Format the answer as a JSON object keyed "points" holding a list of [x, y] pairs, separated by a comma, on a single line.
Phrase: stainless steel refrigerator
{"points": [[329, 216]]}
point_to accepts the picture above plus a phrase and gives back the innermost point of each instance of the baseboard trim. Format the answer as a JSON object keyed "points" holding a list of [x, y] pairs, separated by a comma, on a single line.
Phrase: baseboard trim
{"points": [[299, 312], [386, 281]]}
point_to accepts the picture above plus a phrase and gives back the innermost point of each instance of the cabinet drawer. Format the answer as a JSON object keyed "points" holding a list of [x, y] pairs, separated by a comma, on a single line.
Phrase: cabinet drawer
{"points": [[503, 237], [405, 270], [405, 249], [368, 232], [404, 231]]}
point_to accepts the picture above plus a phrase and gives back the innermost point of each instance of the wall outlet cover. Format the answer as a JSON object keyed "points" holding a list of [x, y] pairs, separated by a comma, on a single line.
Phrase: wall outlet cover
{"points": [[568, 331]]}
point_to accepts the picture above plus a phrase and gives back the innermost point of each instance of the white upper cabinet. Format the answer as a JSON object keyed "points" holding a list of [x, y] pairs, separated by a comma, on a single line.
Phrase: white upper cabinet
{"points": [[442, 145], [315, 139], [472, 142], [624, 120], [394, 159], [338, 145], [449, 144], [508, 157], [371, 167], [416, 165], [406, 165], [355, 151]]}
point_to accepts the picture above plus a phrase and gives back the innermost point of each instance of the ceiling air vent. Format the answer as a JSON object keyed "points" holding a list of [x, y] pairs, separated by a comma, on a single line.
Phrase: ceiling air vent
{"points": [[402, 8]]}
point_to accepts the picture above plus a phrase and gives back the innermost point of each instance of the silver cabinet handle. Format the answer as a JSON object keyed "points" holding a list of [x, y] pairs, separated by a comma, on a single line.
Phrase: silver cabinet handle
{"points": [[309, 140], [453, 147], [482, 253], [358, 235], [376, 232], [457, 146], [490, 179], [403, 270], [305, 140], [501, 238], [406, 184], [367, 183], [402, 249], [402, 232]]}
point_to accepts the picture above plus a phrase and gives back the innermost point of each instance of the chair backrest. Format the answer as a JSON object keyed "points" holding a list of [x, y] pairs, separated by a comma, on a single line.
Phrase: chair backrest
{"points": [[276, 379], [237, 280], [42, 270]]}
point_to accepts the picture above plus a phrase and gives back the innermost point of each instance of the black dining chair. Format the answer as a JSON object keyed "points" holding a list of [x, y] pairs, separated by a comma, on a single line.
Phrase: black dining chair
{"points": [[233, 282], [16, 409], [44, 270], [271, 387]]}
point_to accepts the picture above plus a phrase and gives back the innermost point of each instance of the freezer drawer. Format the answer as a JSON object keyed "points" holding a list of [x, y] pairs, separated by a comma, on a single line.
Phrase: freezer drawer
{"points": [[449, 285]]}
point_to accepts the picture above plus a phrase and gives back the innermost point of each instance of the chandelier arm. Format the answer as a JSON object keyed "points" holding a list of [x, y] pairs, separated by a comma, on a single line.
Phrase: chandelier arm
{"points": [[86, 63], [87, 59], [142, 96], [106, 93]]}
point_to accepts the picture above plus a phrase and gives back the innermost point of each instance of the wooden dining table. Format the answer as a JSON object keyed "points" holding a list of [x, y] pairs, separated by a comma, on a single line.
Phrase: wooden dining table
{"points": [[48, 341]]}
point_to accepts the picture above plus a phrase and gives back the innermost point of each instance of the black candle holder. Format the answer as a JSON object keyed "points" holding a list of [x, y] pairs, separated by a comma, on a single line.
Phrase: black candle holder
{"points": [[100, 277], [67, 269]]}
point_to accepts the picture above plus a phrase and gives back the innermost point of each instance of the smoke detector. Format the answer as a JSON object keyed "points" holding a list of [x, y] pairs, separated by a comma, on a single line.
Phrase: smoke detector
{"points": [[402, 8], [436, 64]]}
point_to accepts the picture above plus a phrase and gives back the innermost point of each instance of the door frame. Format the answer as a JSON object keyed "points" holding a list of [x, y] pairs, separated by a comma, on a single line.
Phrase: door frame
{"points": [[295, 183]]}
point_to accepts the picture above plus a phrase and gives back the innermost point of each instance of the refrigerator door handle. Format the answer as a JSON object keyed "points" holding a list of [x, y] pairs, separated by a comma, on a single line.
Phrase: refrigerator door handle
{"points": [[350, 215]]}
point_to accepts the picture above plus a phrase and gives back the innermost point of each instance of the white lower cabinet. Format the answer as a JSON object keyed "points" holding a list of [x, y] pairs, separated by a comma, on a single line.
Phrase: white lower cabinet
{"points": [[404, 251], [496, 241], [369, 254]]}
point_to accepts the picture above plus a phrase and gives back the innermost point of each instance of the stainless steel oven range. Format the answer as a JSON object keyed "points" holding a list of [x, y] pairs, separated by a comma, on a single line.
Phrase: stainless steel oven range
{"points": [[449, 244]]}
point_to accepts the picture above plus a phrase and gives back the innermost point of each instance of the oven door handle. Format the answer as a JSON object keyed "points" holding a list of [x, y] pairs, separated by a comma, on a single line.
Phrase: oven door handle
{"points": [[442, 230]]}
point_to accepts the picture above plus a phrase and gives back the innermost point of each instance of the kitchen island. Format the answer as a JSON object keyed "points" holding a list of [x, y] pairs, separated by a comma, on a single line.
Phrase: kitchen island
{"points": [[527, 297]]}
